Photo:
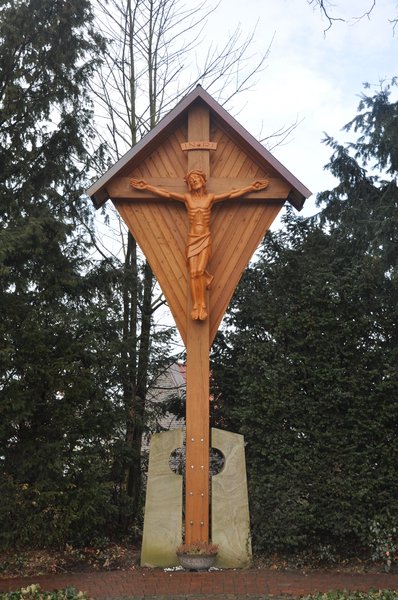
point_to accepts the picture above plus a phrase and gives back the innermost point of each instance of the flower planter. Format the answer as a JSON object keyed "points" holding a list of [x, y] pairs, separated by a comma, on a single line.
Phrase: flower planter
{"points": [[197, 562]]}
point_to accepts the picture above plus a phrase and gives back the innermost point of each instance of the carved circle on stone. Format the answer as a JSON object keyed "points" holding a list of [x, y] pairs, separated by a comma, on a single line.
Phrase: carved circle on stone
{"points": [[217, 461], [177, 461]]}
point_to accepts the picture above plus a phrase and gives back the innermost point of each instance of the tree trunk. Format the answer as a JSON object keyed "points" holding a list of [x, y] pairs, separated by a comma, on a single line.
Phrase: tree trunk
{"points": [[137, 413]]}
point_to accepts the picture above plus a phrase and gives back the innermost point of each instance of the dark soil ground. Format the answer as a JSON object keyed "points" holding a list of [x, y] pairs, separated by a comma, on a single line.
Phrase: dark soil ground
{"points": [[42, 562], [115, 557]]}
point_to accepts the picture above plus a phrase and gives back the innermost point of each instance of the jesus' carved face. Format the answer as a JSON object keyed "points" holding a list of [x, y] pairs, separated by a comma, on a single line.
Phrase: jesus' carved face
{"points": [[195, 180]]}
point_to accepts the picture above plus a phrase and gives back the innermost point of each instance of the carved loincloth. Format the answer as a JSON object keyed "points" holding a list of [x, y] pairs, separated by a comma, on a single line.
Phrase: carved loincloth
{"points": [[197, 244]]}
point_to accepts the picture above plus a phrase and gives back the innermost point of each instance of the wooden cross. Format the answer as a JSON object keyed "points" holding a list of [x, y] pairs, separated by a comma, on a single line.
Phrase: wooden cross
{"points": [[198, 202], [161, 230], [197, 334]]}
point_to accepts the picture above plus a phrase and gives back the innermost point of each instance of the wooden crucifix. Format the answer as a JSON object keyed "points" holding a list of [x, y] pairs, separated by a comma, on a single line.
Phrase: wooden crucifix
{"points": [[198, 194], [198, 202]]}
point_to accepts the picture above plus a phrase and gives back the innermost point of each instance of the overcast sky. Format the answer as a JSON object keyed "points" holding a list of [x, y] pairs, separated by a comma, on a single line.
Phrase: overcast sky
{"points": [[314, 76]]}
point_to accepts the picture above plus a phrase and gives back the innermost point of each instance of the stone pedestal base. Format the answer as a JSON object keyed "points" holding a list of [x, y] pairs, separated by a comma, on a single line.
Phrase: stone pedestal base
{"points": [[230, 523]]}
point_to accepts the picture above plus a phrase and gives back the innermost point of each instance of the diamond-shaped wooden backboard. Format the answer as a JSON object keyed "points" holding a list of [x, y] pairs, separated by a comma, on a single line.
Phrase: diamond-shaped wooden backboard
{"points": [[161, 226]]}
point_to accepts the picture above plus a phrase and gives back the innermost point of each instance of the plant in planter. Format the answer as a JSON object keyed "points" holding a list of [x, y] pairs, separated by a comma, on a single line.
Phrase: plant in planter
{"points": [[197, 556]]}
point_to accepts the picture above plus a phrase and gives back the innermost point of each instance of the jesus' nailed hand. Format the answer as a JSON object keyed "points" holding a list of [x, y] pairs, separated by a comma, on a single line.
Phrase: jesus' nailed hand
{"points": [[198, 202]]}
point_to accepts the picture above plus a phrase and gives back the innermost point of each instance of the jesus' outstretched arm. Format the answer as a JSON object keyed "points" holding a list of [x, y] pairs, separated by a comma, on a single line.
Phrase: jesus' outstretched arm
{"points": [[141, 184], [260, 184]]}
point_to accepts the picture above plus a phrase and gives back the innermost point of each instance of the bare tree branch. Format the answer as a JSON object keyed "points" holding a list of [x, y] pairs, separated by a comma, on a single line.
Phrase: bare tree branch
{"points": [[366, 13], [279, 137], [324, 9]]}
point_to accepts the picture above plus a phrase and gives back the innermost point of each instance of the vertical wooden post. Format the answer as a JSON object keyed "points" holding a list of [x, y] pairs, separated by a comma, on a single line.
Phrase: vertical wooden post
{"points": [[197, 398], [197, 442], [199, 131]]}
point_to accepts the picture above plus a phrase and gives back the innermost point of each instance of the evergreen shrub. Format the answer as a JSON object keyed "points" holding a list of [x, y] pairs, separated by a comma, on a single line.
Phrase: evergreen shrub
{"points": [[33, 592], [356, 595]]}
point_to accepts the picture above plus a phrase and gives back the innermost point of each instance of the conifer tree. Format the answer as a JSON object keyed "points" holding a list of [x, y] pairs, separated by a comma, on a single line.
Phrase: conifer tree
{"points": [[307, 370], [56, 392]]}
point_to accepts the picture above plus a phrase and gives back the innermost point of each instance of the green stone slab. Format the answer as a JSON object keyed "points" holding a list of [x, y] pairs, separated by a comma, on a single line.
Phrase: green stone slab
{"points": [[230, 504], [163, 506]]}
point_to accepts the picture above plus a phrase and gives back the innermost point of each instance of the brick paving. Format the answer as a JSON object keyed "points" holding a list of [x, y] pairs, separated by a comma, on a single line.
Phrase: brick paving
{"points": [[253, 584]]}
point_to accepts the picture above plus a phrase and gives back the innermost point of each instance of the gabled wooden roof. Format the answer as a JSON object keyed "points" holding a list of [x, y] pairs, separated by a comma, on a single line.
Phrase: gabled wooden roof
{"points": [[98, 191]]}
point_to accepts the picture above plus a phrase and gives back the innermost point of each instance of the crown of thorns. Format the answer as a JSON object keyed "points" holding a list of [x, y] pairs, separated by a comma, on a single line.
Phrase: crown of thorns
{"points": [[195, 172]]}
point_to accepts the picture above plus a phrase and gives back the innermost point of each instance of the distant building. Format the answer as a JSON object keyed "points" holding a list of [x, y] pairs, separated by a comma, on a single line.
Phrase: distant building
{"points": [[168, 385]]}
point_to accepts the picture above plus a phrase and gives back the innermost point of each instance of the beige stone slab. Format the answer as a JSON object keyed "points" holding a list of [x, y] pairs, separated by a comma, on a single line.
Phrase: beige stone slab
{"points": [[163, 506], [230, 505]]}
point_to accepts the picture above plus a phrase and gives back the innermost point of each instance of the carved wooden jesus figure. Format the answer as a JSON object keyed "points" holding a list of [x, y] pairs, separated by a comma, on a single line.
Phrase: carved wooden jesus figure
{"points": [[198, 202]]}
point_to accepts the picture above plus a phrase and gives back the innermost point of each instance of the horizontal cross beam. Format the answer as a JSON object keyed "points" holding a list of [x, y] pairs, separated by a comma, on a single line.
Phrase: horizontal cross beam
{"points": [[120, 188]]}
